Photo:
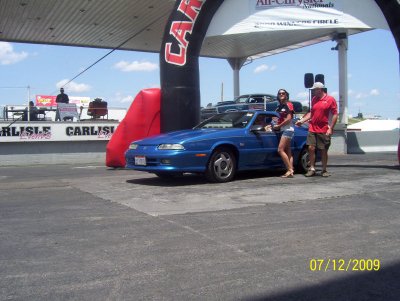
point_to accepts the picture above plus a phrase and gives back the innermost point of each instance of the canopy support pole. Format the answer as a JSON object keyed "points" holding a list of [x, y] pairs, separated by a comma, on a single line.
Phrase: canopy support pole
{"points": [[341, 127], [343, 83], [236, 64]]}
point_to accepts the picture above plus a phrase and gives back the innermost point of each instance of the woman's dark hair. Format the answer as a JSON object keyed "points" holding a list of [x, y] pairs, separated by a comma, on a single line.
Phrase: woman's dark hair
{"points": [[287, 94]]}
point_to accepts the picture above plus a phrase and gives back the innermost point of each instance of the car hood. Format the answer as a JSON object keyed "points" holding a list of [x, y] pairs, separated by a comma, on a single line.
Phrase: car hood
{"points": [[190, 136]]}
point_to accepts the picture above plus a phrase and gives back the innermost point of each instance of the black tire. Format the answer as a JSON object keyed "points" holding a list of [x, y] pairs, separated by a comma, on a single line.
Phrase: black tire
{"points": [[169, 175], [304, 161], [222, 166]]}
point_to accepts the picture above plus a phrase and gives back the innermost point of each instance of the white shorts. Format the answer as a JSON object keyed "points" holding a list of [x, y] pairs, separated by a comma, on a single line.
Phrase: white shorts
{"points": [[288, 134]]}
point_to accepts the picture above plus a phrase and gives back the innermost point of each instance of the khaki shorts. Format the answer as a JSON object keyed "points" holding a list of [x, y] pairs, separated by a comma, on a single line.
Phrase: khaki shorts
{"points": [[319, 140]]}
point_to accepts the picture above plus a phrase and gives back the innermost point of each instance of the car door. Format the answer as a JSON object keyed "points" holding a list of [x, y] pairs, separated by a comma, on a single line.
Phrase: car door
{"points": [[261, 147]]}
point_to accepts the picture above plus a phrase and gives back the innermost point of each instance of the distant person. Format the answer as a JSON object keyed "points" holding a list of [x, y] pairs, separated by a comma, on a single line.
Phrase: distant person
{"points": [[284, 124], [62, 97], [33, 112], [323, 117]]}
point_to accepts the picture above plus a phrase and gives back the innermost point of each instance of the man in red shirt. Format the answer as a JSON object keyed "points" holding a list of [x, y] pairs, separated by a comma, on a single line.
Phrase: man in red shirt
{"points": [[323, 117]]}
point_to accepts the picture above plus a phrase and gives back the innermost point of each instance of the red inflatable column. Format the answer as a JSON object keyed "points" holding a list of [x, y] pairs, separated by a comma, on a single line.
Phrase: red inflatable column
{"points": [[141, 120]]}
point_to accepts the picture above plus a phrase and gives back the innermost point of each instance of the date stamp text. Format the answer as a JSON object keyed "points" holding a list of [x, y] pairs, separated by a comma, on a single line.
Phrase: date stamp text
{"points": [[345, 265]]}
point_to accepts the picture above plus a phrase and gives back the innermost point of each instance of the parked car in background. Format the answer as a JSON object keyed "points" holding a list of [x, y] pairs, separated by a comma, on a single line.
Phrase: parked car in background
{"points": [[219, 147], [258, 101]]}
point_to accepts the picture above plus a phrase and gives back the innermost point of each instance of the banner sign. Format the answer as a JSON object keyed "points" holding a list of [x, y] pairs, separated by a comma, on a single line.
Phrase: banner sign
{"points": [[50, 101], [46, 101], [296, 14], [323, 16], [304, 4], [67, 110], [80, 101], [69, 131]]}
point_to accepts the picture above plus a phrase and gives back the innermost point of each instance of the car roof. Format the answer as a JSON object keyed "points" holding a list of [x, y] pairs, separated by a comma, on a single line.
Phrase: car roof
{"points": [[256, 95]]}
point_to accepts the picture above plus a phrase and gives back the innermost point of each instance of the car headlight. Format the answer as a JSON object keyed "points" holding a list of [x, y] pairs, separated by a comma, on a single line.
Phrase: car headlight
{"points": [[174, 146], [133, 146]]}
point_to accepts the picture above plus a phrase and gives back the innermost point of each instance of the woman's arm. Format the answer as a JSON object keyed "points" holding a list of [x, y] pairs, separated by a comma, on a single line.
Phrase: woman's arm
{"points": [[305, 118]]}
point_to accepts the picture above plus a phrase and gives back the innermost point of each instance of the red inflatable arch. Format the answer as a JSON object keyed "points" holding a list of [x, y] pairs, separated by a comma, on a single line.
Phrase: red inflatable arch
{"points": [[141, 120]]}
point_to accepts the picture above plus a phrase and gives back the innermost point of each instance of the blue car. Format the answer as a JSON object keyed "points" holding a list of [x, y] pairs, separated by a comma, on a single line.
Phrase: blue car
{"points": [[219, 147]]}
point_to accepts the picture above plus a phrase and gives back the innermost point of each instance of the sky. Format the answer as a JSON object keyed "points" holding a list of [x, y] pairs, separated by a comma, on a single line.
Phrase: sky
{"points": [[373, 73]]}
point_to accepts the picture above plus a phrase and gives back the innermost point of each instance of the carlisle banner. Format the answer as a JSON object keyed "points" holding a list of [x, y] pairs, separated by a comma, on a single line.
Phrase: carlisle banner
{"points": [[60, 131]]}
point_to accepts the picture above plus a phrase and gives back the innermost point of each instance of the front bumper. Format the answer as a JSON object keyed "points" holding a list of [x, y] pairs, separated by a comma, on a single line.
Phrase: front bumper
{"points": [[168, 161]]}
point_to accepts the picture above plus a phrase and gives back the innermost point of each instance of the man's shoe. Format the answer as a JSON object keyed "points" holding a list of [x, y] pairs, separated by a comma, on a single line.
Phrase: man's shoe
{"points": [[325, 174], [310, 173]]}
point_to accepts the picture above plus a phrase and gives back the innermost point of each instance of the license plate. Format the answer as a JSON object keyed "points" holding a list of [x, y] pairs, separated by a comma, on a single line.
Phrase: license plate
{"points": [[140, 160]]}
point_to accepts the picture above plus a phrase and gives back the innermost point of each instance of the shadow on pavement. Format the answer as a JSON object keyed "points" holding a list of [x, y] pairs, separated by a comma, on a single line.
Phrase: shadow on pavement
{"points": [[198, 179], [392, 167], [369, 286], [185, 180]]}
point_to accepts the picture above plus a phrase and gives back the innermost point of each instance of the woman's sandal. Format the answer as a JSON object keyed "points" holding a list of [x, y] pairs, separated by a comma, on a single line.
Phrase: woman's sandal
{"points": [[288, 174]]}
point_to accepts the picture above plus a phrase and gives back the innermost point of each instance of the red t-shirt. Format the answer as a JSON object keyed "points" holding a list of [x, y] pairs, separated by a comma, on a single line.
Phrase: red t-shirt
{"points": [[321, 111]]}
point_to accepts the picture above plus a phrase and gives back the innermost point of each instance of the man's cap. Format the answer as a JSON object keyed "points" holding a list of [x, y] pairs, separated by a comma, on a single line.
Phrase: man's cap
{"points": [[61, 89], [318, 85]]}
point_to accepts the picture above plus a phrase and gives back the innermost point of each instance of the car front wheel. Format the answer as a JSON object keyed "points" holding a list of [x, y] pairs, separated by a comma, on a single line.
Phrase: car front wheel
{"points": [[222, 166]]}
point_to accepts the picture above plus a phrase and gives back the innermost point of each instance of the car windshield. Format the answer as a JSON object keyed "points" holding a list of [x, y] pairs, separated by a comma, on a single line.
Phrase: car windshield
{"points": [[242, 99], [254, 98], [227, 120]]}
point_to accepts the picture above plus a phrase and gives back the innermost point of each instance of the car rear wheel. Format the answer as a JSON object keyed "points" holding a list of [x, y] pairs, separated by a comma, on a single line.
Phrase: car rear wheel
{"points": [[222, 166], [304, 161]]}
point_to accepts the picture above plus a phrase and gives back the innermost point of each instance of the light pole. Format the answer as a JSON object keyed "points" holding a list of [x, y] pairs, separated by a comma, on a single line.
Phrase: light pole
{"points": [[29, 107]]}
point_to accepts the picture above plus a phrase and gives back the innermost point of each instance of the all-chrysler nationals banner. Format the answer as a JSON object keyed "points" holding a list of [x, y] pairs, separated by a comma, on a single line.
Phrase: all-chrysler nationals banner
{"points": [[296, 14], [254, 16]]}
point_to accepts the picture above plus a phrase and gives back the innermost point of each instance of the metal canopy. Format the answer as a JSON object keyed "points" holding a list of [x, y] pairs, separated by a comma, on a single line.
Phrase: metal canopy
{"points": [[86, 23], [130, 25]]}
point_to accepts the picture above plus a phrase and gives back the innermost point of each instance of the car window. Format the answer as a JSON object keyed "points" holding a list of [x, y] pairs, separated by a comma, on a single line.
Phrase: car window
{"points": [[227, 120], [242, 99], [254, 98], [263, 119], [258, 99]]}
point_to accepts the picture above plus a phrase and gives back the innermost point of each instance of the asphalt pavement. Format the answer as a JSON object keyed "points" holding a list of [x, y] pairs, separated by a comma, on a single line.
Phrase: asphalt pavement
{"points": [[87, 232]]}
